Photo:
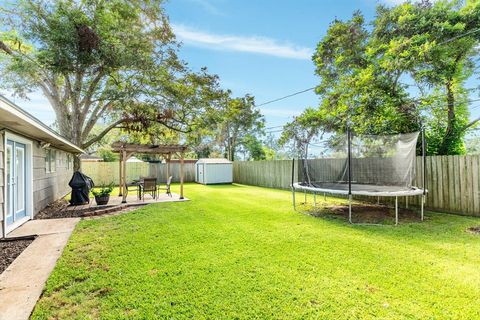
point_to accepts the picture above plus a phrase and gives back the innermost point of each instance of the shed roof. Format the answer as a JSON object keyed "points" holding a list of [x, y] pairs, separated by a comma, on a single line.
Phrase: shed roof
{"points": [[213, 160], [14, 118]]}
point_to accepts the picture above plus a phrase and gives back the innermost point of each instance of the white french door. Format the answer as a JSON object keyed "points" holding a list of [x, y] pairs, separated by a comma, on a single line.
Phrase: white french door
{"points": [[16, 181]]}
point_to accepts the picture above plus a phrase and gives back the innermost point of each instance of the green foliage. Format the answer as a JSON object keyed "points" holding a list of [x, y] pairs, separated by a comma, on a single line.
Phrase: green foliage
{"points": [[367, 75], [224, 255], [253, 147], [103, 191], [107, 155], [223, 127], [435, 44], [472, 144]]}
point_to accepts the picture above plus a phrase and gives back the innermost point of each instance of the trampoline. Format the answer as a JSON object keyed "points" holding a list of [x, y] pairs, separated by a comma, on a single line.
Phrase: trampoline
{"points": [[364, 165]]}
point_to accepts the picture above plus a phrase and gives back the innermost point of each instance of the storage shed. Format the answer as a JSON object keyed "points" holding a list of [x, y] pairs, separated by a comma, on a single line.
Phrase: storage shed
{"points": [[213, 171]]}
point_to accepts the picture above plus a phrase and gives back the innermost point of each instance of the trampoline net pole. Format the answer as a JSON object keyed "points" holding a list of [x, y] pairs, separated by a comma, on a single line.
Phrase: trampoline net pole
{"points": [[293, 171], [349, 138], [424, 162], [293, 181], [349, 146]]}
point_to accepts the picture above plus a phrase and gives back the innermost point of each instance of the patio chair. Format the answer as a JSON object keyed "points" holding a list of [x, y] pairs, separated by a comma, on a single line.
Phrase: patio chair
{"points": [[135, 185], [167, 187], [149, 187]]}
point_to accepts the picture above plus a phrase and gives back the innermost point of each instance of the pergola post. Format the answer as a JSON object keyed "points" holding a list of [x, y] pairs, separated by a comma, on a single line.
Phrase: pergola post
{"points": [[181, 175], [120, 170], [168, 166], [124, 177]]}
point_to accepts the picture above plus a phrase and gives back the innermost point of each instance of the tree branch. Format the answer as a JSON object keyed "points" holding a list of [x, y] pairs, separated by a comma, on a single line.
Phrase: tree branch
{"points": [[470, 124], [103, 133], [87, 99]]}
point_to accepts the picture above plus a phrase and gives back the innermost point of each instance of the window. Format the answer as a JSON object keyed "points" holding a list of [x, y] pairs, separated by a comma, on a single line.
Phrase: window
{"points": [[50, 160]]}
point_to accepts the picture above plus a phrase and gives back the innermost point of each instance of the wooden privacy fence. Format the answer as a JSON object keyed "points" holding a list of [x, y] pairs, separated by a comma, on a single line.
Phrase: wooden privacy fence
{"points": [[159, 170], [453, 182], [104, 173]]}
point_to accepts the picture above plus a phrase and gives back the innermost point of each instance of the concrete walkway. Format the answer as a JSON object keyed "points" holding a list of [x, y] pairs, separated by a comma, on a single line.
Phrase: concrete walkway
{"points": [[22, 283]]}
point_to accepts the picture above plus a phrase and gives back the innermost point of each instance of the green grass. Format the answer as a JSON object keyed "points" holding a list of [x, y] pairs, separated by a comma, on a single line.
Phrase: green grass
{"points": [[238, 252]]}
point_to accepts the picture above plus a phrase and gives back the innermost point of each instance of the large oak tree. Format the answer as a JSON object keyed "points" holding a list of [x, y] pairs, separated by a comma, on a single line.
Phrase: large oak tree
{"points": [[112, 62]]}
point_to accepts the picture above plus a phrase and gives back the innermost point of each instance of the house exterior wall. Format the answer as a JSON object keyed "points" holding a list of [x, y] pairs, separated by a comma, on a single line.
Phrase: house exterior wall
{"points": [[46, 186], [49, 186]]}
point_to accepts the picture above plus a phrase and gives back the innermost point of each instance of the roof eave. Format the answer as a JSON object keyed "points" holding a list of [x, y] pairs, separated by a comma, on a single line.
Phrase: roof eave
{"points": [[24, 122]]}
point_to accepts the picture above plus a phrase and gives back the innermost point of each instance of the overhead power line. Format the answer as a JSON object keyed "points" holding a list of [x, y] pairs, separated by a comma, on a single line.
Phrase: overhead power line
{"points": [[285, 97], [459, 36]]}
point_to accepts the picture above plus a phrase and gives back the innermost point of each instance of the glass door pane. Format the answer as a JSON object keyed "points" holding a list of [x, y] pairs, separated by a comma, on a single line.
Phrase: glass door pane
{"points": [[20, 179], [10, 184]]}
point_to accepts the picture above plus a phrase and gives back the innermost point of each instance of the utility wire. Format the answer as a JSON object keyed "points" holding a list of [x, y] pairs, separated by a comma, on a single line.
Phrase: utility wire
{"points": [[273, 127], [459, 36], [285, 97]]}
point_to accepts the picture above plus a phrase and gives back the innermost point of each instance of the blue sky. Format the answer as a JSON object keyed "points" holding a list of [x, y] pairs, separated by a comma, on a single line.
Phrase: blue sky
{"points": [[259, 47]]}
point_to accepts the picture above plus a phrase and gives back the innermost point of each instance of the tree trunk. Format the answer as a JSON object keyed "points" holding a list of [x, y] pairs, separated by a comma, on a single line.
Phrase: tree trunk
{"points": [[450, 132], [77, 164], [232, 149]]}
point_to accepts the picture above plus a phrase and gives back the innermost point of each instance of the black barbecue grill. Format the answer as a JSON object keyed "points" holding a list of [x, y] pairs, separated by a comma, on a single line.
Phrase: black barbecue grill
{"points": [[81, 186]]}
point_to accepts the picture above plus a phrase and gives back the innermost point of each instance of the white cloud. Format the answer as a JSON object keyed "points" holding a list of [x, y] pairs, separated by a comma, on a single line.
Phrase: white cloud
{"points": [[252, 44], [208, 6]]}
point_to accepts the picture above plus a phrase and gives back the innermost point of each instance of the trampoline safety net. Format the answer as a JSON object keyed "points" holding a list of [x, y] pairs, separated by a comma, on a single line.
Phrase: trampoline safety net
{"points": [[377, 163]]}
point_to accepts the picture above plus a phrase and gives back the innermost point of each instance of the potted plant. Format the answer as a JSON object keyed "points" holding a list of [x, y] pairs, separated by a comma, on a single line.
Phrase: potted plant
{"points": [[102, 195]]}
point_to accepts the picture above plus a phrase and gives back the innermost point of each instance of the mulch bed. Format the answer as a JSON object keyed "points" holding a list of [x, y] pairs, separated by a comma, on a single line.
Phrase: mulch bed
{"points": [[11, 248], [58, 209], [474, 230], [366, 213]]}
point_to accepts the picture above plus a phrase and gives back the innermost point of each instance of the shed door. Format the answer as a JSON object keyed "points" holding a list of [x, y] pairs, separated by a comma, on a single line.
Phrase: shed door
{"points": [[200, 169], [16, 181]]}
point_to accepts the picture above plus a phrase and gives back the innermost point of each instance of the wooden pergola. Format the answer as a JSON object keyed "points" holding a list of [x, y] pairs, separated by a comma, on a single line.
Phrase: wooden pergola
{"points": [[126, 150]]}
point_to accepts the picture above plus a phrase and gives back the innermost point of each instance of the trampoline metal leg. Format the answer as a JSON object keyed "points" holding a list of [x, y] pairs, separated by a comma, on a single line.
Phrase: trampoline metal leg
{"points": [[305, 197], [378, 200], [421, 206], [350, 208], [314, 199], [396, 210], [406, 202], [293, 199], [324, 197]]}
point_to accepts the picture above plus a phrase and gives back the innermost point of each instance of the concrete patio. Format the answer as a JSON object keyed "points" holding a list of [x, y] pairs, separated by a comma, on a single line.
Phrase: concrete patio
{"points": [[116, 204]]}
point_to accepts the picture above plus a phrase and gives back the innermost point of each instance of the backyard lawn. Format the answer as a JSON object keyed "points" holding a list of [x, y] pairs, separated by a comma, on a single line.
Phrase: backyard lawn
{"points": [[242, 252]]}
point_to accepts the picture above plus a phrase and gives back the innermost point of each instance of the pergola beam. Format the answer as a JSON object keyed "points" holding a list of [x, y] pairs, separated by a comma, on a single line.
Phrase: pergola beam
{"points": [[147, 149]]}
